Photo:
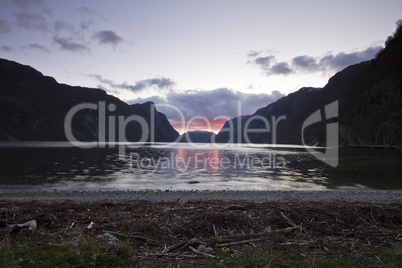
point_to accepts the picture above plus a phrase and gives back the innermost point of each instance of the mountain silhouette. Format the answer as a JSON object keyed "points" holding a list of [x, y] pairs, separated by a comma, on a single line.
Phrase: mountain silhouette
{"points": [[197, 136], [369, 95], [33, 107]]}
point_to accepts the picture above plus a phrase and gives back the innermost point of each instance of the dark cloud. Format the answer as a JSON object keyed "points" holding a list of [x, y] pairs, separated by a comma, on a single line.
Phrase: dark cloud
{"points": [[62, 25], [342, 60], [308, 64], [281, 68], [305, 62], [108, 38], [254, 53], [32, 21], [160, 83], [264, 62], [6, 48], [269, 64], [210, 104], [4, 26], [69, 44], [218, 102], [154, 99], [35, 46]]}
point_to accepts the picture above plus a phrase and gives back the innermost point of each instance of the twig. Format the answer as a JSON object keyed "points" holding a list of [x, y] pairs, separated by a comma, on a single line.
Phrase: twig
{"points": [[132, 236], [201, 253], [260, 236], [215, 232], [289, 221], [241, 242], [287, 230], [170, 209], [284, 230], [177, 246]]}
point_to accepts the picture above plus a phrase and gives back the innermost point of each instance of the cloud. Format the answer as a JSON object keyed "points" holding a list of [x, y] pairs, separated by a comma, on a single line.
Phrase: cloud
{"points": [[86, 11], [254, 53], [309, 64], [33, 4], [342, 60], [85, 24], [32, 21], [264, 62], [87, 14], [160, 83], [4, 26], [69, 44], [6, 48], [281, 68], [216, 106], [305, 63], [61, 25], [34, 46], [154, 99], [108, 38], [210, 104]]}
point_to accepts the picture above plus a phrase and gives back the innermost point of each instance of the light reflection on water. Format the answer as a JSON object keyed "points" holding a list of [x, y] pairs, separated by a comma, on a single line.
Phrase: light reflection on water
{"points": [[182, 167]]}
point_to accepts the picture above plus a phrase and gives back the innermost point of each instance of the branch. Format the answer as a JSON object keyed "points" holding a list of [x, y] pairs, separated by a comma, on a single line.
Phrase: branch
{"points": [[201, 253]]}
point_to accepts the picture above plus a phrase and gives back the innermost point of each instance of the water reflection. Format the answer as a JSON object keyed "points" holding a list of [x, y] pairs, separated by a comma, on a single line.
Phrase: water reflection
{"points": [[182, 167]]}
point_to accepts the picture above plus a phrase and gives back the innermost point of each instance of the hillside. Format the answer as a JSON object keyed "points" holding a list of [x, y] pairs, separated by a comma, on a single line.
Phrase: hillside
{"points": [[33, 107], [370, 105]]}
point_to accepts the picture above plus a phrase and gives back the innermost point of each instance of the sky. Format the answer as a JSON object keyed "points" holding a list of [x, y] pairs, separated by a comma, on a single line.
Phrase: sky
{"points": [[212, 59]]}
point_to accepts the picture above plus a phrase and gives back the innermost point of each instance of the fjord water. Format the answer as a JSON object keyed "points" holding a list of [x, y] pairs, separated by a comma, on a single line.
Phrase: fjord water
{"points": [[52, 165]]}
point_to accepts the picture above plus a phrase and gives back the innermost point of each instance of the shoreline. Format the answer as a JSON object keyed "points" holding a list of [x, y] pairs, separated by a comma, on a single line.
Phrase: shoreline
{"points": [[274, 196], [200, 228]]}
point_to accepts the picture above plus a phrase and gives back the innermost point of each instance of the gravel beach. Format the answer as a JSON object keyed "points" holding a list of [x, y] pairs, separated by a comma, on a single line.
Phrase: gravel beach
{"points": [[301, 196]]}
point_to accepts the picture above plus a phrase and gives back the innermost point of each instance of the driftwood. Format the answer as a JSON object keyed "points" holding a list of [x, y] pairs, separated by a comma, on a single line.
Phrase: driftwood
{"points": [[261, 236], [132, 236], [240, 242], [177, 246], [289, 221], [31, 225], [200, 253], [329, 229]]}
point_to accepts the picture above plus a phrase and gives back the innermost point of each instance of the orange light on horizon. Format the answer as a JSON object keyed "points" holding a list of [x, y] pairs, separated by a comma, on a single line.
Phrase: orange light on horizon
{"points": [[214, 126]]}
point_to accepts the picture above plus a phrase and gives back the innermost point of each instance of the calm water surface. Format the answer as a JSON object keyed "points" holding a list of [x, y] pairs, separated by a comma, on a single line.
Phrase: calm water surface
{"points": [[59, 166]]}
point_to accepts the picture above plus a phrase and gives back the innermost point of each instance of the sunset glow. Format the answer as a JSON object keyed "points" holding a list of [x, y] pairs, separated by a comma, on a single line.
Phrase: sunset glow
{"points": [[211, 126]]}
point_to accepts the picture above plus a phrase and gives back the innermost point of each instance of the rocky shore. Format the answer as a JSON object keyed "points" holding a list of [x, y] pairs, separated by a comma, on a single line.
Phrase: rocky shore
{"points": [[285, 196], [344, 228]]}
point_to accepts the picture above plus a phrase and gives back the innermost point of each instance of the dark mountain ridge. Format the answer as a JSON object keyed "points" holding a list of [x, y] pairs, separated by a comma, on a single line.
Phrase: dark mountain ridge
{"points": [[369, 96], [197, 136], [33, 107]]}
